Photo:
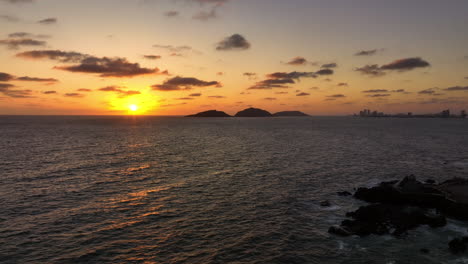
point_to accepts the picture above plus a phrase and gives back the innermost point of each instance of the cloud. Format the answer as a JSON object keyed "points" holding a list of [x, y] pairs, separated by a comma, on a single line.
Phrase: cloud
{"points": [[152, 57], [177, 50], [27, 35], [18, 1], [456, 89], [49, 92], [376, 91], [171, 13], [281, 93], [342, 84], [329, 65], [185, 98], [5, 89], [298, 61], [214, 2], [269, 98], [35, 79], [430, 91], [206, 15], [183, 83], [117, 89], [324, 72], [336, 96], [234, 42], [84, 90], [5, 77], [406, 64], [48, 21], [291, 75], [76, 95], [216, 97], [378, 95], [58, 55], [372, 70], [366, 52], [250, 75], [303, 94], [17, 43], [281, 80], [195, 94]]}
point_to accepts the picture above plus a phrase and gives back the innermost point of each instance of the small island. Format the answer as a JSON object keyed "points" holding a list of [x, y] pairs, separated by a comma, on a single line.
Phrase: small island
{"points": [[210, 113], [253, 112], [289, 114]]}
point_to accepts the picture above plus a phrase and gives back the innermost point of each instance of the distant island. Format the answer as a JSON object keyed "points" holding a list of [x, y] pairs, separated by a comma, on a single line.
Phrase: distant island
{"points": [[290, 114], [210, 113], [249, 112], [443, 114]]}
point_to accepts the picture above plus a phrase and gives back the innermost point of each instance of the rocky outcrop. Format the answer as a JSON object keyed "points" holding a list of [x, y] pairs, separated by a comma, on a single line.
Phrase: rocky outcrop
{"points": [[289, 114], [210, 113], [399, 206], [253, 112]]}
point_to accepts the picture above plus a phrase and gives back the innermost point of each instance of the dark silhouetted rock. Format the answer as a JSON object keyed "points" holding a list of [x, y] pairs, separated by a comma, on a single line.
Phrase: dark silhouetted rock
{"points": [[253, 112], [344, 193], [325, 203], [290, 114], [424, 250], [210, 113], [458, 245]]}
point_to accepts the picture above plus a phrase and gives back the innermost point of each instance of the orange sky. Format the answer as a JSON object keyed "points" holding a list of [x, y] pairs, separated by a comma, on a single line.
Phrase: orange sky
{"points": [[171, 57]]}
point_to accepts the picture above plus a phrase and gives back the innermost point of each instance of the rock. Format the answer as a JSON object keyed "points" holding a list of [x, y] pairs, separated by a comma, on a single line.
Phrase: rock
{"points": [[253, 112], [210, 113], [325, 203], [458, 245], [338, 231], [380, 219], [289, 114], [344, 193]]}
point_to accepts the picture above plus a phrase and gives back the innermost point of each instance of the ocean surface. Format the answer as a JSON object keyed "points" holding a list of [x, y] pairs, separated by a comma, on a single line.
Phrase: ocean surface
{"points": [[158, 190]]}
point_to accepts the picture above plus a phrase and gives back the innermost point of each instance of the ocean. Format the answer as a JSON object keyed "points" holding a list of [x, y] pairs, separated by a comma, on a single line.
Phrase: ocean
{"points": [[87, 189]]}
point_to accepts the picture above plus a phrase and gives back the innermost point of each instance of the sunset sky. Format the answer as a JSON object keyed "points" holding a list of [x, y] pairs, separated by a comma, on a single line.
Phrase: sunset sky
{"points": [[177, 57]]}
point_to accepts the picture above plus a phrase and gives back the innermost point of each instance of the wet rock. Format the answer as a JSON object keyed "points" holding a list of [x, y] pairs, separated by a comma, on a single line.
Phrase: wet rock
{"points": [[325, 203], [339, 231], [458, 245]]}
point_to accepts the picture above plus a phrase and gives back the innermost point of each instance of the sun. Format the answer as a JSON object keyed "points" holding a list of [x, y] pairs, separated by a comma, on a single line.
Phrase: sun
{"points": [[133, 107]]}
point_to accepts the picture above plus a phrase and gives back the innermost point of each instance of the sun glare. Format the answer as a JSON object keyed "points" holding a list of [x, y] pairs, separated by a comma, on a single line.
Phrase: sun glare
{"points": [[133, 107]]}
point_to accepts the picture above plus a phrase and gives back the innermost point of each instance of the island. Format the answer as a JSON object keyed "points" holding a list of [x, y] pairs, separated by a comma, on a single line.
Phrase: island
{"points": [[289, 114], [210, 113], [253, 112]]}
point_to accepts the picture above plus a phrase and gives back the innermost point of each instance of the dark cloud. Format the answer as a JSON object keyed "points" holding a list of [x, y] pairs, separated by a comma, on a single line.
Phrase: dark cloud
{"points": [[281, 93], [216, 97], [5, 77], [185, 98], [329, 65], [430, 91], [406, 64], [281, 80], [366, 52], [234, 42], [5, 89], [195, 94], [371, 70], [48, 21], [183, 83], [76, 95], [376, 91], [117, 89], [171, 13], [398, 91], [291, 75], [35, 79], [303, 94], [298, 61], [269, 98], [456, 89], [324, 72], [152, 57], [84, 90], [49, 92], [17, 43], [58, 55], [250, 75], [342, 84], [336, 96], [378, 95], [27, 35]]}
